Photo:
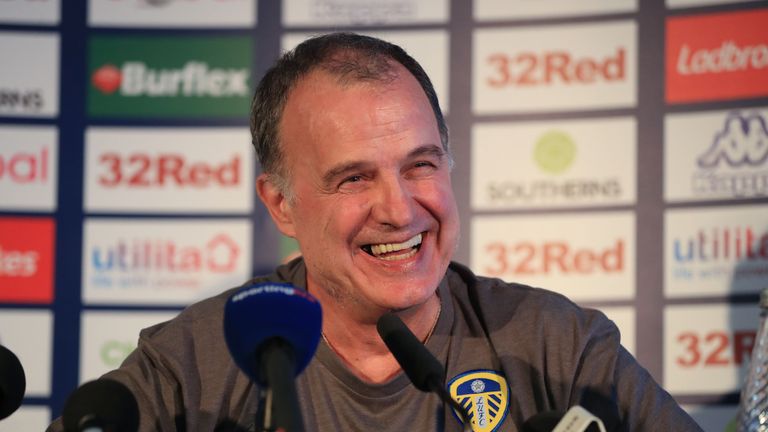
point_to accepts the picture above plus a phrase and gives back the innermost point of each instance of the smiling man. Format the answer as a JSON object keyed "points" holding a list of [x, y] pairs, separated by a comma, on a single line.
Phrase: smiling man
{"points": [[356, 167]]}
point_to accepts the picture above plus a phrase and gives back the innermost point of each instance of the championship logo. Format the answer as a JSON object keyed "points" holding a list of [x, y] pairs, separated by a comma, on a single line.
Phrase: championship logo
{"points": [[484, 394]]}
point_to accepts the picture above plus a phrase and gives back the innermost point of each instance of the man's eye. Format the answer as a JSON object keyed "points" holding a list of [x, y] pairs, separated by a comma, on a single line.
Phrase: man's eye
{"points": [[353, 179]]}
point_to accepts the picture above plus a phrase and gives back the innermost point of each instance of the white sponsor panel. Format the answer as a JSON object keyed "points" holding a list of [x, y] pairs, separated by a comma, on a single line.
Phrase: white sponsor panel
{"points": [[27, 418], [585, 256], [163, 261], [716, 155], [429, 47], [689, 3], [28, 167], [715, 251], [490, 10], [554, 164], [172, 13], [107, 337], [713, 418], [707, 348], [624, 318], [562, 67], [29, 78], [155, 170], [40, 12], [28, 333], [324, 13]]}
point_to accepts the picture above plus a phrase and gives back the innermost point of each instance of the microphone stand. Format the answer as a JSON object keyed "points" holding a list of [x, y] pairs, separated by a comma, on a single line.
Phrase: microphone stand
{"points": [[278, 407]]}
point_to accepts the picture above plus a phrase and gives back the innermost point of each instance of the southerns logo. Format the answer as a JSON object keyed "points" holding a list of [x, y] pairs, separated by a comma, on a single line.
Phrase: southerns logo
{"points": [[730, 63], [484, 394], [23, 93], [163, 262], [553, 170], [558, 67], [561, 256], [170, 76], [26, 260], [142, 170], [716, 155], [716, 251], [28, 156]]}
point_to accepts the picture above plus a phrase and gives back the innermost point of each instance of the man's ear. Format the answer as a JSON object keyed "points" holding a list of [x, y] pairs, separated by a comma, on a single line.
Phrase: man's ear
{"points": [[277, 204]]}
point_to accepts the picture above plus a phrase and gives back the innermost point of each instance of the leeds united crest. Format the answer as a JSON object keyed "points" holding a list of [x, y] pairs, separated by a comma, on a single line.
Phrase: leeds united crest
{"points": [[484, 394]]}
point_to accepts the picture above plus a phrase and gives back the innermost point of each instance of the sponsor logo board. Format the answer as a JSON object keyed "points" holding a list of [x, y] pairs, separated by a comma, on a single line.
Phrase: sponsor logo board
{"points": [[716, 155], [39, 12], [320, 13], [491, 10], [554, 164], [171, 76], [29, 334], [429, 47], [706, 65], [583, 256], [163, 261], [26, 260], [172, 13], [691, 3], [107, 337], [207, 170], [27, 418], [29, 78], [716, 251], [28, 167], [562, 67], [707, 348]]}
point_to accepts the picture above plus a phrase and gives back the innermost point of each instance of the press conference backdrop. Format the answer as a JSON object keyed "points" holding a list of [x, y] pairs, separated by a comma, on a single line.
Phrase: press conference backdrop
{"points": [[612, 150]]}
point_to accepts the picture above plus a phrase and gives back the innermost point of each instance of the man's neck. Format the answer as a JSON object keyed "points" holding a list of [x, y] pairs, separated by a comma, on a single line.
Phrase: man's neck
{"points": [[357, 343]]}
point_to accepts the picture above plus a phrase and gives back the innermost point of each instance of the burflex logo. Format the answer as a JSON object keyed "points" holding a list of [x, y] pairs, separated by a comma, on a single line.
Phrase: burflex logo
{"points": [[26, 260], [736, 162], [170, 76], [730, 63]]}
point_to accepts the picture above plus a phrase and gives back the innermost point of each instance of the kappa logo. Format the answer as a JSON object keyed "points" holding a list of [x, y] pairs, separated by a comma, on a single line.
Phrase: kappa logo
{"points": [[484, 394], [743, 141]]}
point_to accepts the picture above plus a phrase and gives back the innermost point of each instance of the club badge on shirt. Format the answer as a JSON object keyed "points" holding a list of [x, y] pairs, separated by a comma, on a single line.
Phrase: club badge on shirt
{"points": [[485, 396]]}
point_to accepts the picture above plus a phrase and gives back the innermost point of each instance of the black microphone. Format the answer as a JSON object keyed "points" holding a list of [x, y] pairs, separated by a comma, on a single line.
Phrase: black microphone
{"points": [[576, 419], [422, 368], [13, 382], [101, 405], [272, 331]]}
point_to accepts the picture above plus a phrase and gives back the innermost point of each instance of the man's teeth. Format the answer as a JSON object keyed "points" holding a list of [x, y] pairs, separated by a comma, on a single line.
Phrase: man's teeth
{"points": [[380, 249]]}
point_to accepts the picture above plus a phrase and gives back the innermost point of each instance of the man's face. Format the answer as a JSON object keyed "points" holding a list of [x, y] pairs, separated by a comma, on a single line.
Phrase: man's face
{"points": [[374, 213]]}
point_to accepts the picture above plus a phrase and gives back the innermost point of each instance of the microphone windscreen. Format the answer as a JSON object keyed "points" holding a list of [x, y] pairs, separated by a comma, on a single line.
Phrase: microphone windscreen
{"points": [[13, 382], [543, 422], [101, 403], [415, 359], [255, 314]]}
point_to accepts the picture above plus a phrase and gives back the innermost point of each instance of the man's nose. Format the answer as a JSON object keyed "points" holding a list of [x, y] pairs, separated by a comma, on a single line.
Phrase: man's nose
{"points": [[394, 204]]}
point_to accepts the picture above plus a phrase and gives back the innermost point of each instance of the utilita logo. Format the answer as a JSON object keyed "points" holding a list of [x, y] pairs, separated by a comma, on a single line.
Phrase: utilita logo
{"points": [[217, 255], [734, 243], [24, 167], [736, 161], [729, 63], [194, 79]]}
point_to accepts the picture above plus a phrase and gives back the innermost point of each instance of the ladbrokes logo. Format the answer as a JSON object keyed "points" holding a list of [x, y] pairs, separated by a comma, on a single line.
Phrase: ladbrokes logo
{"points": [[160, 261], [736, 163], [26, 260], [729, 63], [170, 77]]}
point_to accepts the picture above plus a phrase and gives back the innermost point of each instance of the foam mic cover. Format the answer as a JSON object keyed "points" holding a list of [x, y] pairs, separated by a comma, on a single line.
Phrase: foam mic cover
{"points": [[101, 404], [13, 382], [576, 419], [258, 315], [542, 422], [424, 370]]}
